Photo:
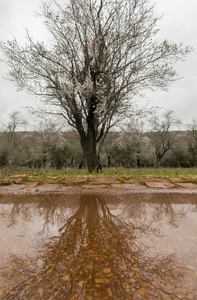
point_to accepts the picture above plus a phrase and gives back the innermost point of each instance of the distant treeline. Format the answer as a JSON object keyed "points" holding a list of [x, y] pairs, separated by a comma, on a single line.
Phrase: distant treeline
{"points": [[57, 149]]}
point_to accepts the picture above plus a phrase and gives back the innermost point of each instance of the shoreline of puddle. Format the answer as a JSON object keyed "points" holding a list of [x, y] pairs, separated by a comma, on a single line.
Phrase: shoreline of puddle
{"points": [[21, 184], [114, 189]]}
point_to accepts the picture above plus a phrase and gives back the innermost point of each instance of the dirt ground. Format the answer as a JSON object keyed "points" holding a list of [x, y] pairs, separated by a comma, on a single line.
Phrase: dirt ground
{"points": [[20, 184]]}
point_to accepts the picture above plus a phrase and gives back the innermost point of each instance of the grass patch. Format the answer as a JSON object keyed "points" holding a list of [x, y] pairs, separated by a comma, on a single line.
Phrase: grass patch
{"points": [[123, 174]]}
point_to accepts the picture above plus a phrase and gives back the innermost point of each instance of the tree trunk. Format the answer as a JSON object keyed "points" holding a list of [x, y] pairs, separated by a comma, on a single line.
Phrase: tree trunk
{"points": [[89, 137], [90, 154], [89, 145]]}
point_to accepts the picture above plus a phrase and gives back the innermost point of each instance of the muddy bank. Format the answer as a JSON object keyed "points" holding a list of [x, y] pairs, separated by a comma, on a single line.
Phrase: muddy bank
{"points": [[113, 189], [22, 184]]}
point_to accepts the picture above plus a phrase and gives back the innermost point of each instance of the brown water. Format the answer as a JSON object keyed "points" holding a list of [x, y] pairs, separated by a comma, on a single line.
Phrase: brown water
{"points": [[142, 246]]}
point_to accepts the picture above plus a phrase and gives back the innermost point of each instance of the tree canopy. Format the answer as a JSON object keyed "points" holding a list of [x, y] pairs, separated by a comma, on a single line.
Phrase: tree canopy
{"points": [[100, 56]]}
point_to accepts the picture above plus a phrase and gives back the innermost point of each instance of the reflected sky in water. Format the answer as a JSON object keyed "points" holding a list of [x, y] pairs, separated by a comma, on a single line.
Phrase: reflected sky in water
{"points": [[98, 247]]}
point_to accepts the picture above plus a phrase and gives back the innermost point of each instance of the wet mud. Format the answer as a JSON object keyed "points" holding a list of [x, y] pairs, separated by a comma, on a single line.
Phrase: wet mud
{"points": [[22, 184]]}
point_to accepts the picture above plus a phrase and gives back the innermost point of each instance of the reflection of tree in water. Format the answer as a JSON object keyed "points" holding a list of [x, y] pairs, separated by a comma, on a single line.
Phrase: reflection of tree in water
{"points": [[49, 208], [157, 207], [96, 256], [15, 209], [172, 211]]}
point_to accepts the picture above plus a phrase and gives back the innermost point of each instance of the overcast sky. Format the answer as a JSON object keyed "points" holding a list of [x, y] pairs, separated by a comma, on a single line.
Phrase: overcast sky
{"points": [[178, 24]]}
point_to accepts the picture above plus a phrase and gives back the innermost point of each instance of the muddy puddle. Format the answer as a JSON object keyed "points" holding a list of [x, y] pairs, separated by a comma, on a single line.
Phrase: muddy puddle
{"points": [[88, 246]]}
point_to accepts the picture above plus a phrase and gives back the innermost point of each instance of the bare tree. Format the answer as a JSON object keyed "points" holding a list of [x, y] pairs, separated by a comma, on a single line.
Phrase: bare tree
{"points": [[16, 121], [192, 143], [135, 142], [101, 55], [12, 142], [162, 136]]}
